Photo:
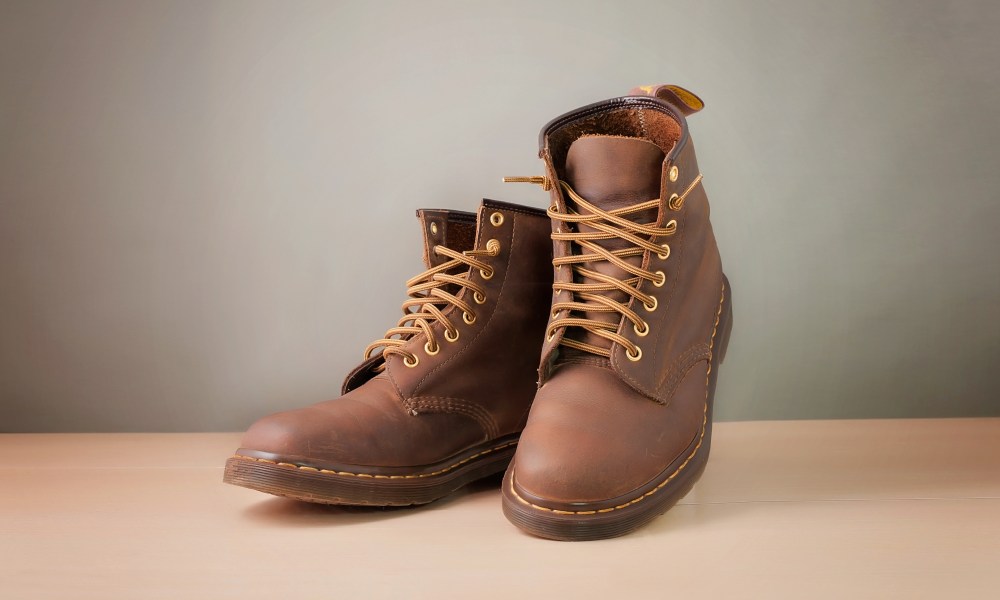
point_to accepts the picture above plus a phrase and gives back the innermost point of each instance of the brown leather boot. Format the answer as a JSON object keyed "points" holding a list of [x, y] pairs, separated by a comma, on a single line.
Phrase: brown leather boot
{"points": [[621, 425], [444, 401]]}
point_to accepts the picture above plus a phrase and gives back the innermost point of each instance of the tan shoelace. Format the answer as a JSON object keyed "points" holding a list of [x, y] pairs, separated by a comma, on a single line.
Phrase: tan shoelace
{"points": [[427, 299], [591, 297]]}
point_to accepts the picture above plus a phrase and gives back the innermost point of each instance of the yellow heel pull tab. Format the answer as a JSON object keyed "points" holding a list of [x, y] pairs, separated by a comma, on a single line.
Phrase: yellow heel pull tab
{"points": [[536, 179], [684, 100]]}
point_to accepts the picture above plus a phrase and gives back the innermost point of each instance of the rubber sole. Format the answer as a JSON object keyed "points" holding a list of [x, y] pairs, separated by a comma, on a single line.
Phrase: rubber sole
{"points": [[554, 525], [593, 524], [358, 488]]}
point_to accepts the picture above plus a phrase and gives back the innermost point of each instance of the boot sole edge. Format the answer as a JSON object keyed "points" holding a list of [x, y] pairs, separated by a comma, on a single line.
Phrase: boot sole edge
{"points": [[323, 487], [596, 525]]}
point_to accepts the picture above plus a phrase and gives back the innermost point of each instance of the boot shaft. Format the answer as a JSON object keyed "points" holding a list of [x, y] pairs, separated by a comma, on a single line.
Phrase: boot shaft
{"points": [[680, 316], [483, 361]]}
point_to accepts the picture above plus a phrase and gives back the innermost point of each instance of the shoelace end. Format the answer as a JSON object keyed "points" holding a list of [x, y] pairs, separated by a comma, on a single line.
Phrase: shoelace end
{"points": [[536, 179]]}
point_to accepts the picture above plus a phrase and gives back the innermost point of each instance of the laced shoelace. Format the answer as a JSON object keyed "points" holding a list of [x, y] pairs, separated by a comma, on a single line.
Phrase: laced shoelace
{"points": [[592, 297], [429, 298]]}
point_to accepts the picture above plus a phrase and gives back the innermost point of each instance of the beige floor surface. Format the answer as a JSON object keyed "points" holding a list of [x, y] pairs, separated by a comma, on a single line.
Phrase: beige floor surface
{"points": [[807, 509]]}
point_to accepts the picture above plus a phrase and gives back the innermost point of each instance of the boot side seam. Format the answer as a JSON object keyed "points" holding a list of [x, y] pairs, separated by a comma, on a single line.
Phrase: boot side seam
{"points": [[459, 406], [678, 369]]}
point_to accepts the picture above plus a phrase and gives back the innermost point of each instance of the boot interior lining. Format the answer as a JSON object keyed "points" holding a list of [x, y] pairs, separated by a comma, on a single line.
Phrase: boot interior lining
{"points": [[461, 235], [653, 125]]}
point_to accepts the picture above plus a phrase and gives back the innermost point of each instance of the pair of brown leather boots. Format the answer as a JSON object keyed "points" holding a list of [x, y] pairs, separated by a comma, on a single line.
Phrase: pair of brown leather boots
{"points": [[613, 425]]}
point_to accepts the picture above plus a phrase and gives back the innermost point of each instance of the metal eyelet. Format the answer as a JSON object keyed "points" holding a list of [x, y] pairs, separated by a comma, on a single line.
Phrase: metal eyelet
{"points": [[555, 313], [674, 173], [651, 307], [675, 202], [634, 357], [479, 298], [427, 349], [406, 361], [663, 279], [434, 228], [666, 254], [550, 337], [497, 219], [468, 318], [641, 332], [487, 276], [493, 247], [448, 337]]}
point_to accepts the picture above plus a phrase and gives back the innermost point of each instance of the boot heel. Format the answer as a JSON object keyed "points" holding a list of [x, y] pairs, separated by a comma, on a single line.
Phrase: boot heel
{"points": [[725, 320]]}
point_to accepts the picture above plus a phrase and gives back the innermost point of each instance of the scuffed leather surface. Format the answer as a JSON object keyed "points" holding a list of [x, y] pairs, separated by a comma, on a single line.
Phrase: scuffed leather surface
{"points": [[599, 430], [590, 437], [476, 389], [367, 427]]}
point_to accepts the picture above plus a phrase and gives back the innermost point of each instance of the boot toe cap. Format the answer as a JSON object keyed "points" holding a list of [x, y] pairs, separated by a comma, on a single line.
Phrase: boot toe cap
{"points": [[300, 433], [559, 477], [591, 440], [368, 427]]}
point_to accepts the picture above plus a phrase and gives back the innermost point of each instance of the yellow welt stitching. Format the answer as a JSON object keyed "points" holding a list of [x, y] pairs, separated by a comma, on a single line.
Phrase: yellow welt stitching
{"points": [[370, 476], [631, 502], [701, 438]]}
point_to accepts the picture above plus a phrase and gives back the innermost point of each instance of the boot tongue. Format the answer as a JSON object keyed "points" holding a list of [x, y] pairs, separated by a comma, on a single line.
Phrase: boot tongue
{"points": [[449, 228], [612, 172]]}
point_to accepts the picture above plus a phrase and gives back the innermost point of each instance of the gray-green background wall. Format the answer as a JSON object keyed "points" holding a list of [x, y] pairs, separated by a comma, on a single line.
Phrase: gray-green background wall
{"points": [[207, 207]]}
